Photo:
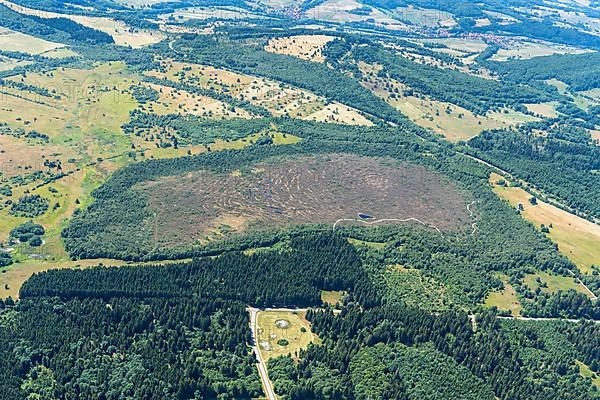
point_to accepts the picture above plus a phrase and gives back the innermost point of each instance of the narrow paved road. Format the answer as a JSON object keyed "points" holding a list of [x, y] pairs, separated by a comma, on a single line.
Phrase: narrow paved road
{"points": [[262, 365]]}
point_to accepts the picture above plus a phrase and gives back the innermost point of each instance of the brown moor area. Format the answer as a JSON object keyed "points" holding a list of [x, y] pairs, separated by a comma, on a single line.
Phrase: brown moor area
{"points": [[204, 206]]}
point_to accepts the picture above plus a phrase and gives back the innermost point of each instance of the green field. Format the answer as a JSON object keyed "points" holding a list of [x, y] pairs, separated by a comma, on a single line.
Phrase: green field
{"points": [[586, 372], [364, 243], [332, 297], [504, 300]]}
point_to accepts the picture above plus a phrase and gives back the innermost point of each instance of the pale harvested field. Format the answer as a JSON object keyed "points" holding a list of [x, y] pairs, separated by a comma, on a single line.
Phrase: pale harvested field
{"points": [[593, 93], [16, 41], [7, 63], [546, 110], [523, 50], [462, 45], [141, 3], [177, 101], [278, 98], [577, 238], [339, 114], [307, 47], [121, 33], [202, 13]]}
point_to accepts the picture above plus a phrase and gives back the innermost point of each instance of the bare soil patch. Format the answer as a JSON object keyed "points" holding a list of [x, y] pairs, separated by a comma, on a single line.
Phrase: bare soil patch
{"points": [[204, 206]]}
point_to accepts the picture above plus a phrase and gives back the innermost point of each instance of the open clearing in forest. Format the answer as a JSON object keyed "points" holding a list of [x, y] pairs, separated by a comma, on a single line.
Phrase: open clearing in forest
{"points": [[204, 206], [413, 287], [121, 33], [364, 243], [577, 238], [546, 110], [453, 122], [550, 283], [278, 98], [307, 47], [282, 333], [586, 372], [332, 297], [505, 299]]}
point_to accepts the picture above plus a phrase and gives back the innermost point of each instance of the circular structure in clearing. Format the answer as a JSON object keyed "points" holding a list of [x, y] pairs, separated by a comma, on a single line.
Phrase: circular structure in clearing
{"points": [[282, 324]]}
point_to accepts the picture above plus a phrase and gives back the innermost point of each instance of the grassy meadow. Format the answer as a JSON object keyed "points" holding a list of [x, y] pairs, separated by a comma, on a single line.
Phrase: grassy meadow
{"points": [[577, 238], [282, 333]]}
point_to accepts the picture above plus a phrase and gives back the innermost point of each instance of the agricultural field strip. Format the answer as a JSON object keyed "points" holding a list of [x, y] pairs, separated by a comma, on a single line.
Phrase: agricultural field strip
{"points": [[551, 200], [290, 97], [571, 320]]}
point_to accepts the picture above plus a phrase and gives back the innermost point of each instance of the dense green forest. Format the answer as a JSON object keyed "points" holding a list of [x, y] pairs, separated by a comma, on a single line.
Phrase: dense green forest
{"points": [[365, 356], [132, 331]]}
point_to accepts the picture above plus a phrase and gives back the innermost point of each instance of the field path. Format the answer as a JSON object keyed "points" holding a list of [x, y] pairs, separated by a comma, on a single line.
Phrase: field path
{"points": [[594, 297], [575, 321], [262, 365]]}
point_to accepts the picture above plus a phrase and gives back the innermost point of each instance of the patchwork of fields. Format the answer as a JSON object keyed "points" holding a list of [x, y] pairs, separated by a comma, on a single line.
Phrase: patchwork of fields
{"points": [[278, 98], [453, 122]]}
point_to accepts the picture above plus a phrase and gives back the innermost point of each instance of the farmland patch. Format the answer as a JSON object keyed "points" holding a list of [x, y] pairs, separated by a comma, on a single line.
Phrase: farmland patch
{"points": [[577, 238], [307, 47]]}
